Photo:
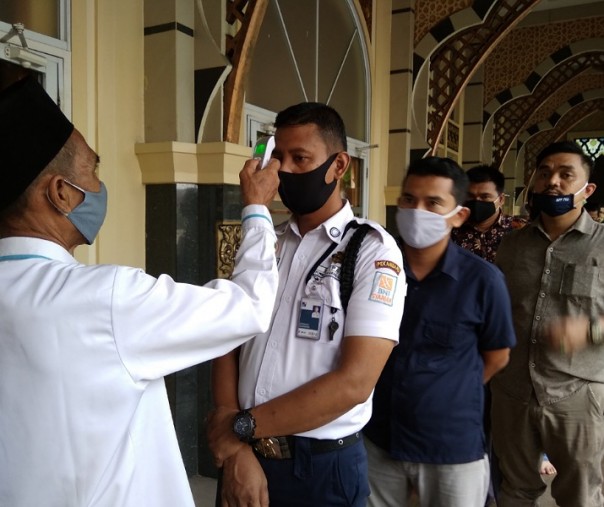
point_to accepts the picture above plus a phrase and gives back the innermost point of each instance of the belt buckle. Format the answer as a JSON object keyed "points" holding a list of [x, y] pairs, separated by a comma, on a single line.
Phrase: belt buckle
{"points": [[268, 448]]}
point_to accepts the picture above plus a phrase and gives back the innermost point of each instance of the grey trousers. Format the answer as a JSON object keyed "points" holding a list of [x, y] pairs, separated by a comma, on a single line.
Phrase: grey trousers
{"points": [[570, 431], [392, 481]]}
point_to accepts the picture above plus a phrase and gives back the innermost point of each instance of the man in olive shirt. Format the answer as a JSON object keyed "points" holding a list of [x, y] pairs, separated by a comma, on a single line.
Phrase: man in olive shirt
{"points": [[551, 394]]}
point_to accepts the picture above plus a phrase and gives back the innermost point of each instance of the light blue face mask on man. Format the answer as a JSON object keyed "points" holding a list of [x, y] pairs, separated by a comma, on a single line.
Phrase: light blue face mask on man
{"points": [[88, 216]]}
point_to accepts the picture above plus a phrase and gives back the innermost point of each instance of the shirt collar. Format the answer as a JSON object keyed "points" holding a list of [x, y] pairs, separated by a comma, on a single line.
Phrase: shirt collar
{"points": [[584, 224], [35, 247], [332, 228], [447, 265]]}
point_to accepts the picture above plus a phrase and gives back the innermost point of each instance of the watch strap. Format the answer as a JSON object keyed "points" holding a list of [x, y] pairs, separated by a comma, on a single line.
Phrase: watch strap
{"points": [[248, 436]]}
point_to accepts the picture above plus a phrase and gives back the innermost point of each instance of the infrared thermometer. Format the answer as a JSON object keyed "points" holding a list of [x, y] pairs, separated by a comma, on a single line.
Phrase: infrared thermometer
{"points": [[263, 149]]}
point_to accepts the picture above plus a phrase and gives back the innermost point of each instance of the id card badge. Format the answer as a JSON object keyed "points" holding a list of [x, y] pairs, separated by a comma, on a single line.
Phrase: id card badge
{"points": [[309, 322]]}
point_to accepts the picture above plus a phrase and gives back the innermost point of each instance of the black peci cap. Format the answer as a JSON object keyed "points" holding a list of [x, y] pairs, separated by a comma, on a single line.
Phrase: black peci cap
{"points": [[32, 131]]}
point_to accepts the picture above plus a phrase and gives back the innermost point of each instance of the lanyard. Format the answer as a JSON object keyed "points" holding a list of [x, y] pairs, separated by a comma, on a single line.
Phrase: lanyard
{"points": [[19, 257]]}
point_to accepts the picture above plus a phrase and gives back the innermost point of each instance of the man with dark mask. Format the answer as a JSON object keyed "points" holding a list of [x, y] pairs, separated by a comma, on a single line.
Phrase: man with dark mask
{"points": [[290, 407], [481, 234], [487, 224], [456, 333], [550, 396]]}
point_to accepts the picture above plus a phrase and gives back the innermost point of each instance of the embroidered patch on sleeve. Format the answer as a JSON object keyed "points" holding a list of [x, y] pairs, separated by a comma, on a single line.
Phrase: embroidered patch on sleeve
{"points": [[383, 288], [388, 265]]}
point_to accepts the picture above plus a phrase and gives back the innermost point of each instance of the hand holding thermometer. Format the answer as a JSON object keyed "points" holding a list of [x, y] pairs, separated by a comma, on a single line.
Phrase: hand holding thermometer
{"points": [[263, 149]]}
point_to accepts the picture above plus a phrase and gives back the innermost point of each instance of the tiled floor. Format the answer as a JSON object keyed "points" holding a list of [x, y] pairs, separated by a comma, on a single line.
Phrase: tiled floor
{"points": [[204, 490]]}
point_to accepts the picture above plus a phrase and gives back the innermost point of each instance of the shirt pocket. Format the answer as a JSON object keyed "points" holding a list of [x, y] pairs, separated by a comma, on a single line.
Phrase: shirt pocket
{"points": [[580, 281], [327, 289], [440, 341]]}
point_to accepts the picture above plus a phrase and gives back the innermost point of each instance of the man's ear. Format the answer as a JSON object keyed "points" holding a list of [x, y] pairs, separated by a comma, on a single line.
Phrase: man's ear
{"points": [[341, 162], [460, 217], [60, 194], [590, 189]]}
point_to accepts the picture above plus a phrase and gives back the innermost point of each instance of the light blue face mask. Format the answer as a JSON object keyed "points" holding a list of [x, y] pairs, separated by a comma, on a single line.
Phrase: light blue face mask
{"points": [[88, 216]]}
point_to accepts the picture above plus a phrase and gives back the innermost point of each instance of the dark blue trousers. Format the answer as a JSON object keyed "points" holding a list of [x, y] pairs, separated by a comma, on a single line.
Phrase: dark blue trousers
{"points": [[331, 479]]}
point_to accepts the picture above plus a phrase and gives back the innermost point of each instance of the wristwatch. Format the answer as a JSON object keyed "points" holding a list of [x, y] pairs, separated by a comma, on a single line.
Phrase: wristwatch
{"points": [[596, 334], [244, 426]]}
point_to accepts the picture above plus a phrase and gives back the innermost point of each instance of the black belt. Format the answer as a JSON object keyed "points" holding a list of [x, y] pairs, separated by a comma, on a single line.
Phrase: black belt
{"points": [[283, 447]]}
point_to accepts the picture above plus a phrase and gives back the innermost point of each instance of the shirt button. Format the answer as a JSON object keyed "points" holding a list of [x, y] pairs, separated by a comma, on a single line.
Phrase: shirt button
{"points": [[287, 299], [542, 295], [532, 365], [538, 317], [262, 392], [550, 249], [301, 257], [533, 340], [273, 345], [547, 271]]}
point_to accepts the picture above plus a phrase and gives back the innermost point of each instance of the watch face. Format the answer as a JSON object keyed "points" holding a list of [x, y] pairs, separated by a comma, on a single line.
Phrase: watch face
{"points": [[243, 425]]}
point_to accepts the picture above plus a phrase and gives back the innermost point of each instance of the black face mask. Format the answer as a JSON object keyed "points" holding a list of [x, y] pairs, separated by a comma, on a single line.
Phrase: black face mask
{"points": [[480, 210], [305, 193]]}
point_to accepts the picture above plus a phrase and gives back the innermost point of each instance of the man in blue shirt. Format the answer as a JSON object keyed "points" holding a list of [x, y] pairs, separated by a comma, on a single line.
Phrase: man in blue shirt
{"points": [[426, 432]]}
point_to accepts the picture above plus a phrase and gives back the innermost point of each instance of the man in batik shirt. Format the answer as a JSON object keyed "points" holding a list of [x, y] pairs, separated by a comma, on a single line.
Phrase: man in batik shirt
{"points": [[482, 232]]}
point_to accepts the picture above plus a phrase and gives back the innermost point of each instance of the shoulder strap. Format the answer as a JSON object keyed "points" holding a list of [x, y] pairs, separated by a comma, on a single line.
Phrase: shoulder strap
{"points": [[330, 248], [349, 262]]}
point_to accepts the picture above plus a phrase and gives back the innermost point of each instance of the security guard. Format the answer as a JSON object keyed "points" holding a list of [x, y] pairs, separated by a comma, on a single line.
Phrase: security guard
{"points": [[292, 402]]}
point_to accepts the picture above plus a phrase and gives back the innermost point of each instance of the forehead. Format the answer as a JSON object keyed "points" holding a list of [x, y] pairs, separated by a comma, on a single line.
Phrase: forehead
{"points": [[562, 161], [428, 186], [292, 137], [84, 154], [484, 187]]}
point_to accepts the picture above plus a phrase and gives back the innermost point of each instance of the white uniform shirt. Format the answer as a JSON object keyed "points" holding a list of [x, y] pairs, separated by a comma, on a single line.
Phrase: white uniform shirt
{"points": [[278, 361], [84, 415]]}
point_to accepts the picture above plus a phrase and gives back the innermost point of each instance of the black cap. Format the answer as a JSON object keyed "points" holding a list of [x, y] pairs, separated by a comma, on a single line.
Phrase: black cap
{"points": [[32, 131]]}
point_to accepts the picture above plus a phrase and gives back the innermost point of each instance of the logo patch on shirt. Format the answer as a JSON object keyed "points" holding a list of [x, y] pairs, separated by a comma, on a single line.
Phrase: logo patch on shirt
{"points": [[388, 265], [383, 289]]}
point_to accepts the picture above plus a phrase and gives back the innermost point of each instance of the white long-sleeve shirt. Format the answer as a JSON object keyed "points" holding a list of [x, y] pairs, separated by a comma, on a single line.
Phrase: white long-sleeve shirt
{"points": [[84, 415]]}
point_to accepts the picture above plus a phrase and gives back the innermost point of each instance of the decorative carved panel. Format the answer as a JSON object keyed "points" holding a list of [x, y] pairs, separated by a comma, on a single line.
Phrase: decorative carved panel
{"points": [[454, 63], [542, 139], [428, 13], [577, 86], [228, 239], [510, 119], [504, 69]]}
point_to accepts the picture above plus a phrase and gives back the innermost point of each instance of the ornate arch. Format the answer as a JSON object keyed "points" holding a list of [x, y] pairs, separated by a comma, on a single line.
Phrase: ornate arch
{"points": [[239, 48], [510, 119], [567, 121], [453, 64], [539, 72]]}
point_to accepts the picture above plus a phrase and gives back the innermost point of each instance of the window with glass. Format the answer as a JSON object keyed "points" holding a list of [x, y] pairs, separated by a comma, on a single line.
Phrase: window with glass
{"points": [[34, 35], [313, 51]]}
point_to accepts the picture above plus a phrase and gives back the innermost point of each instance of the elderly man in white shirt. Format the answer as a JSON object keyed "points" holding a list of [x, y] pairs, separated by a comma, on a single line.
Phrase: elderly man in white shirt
{"points": [[84, 416]]}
